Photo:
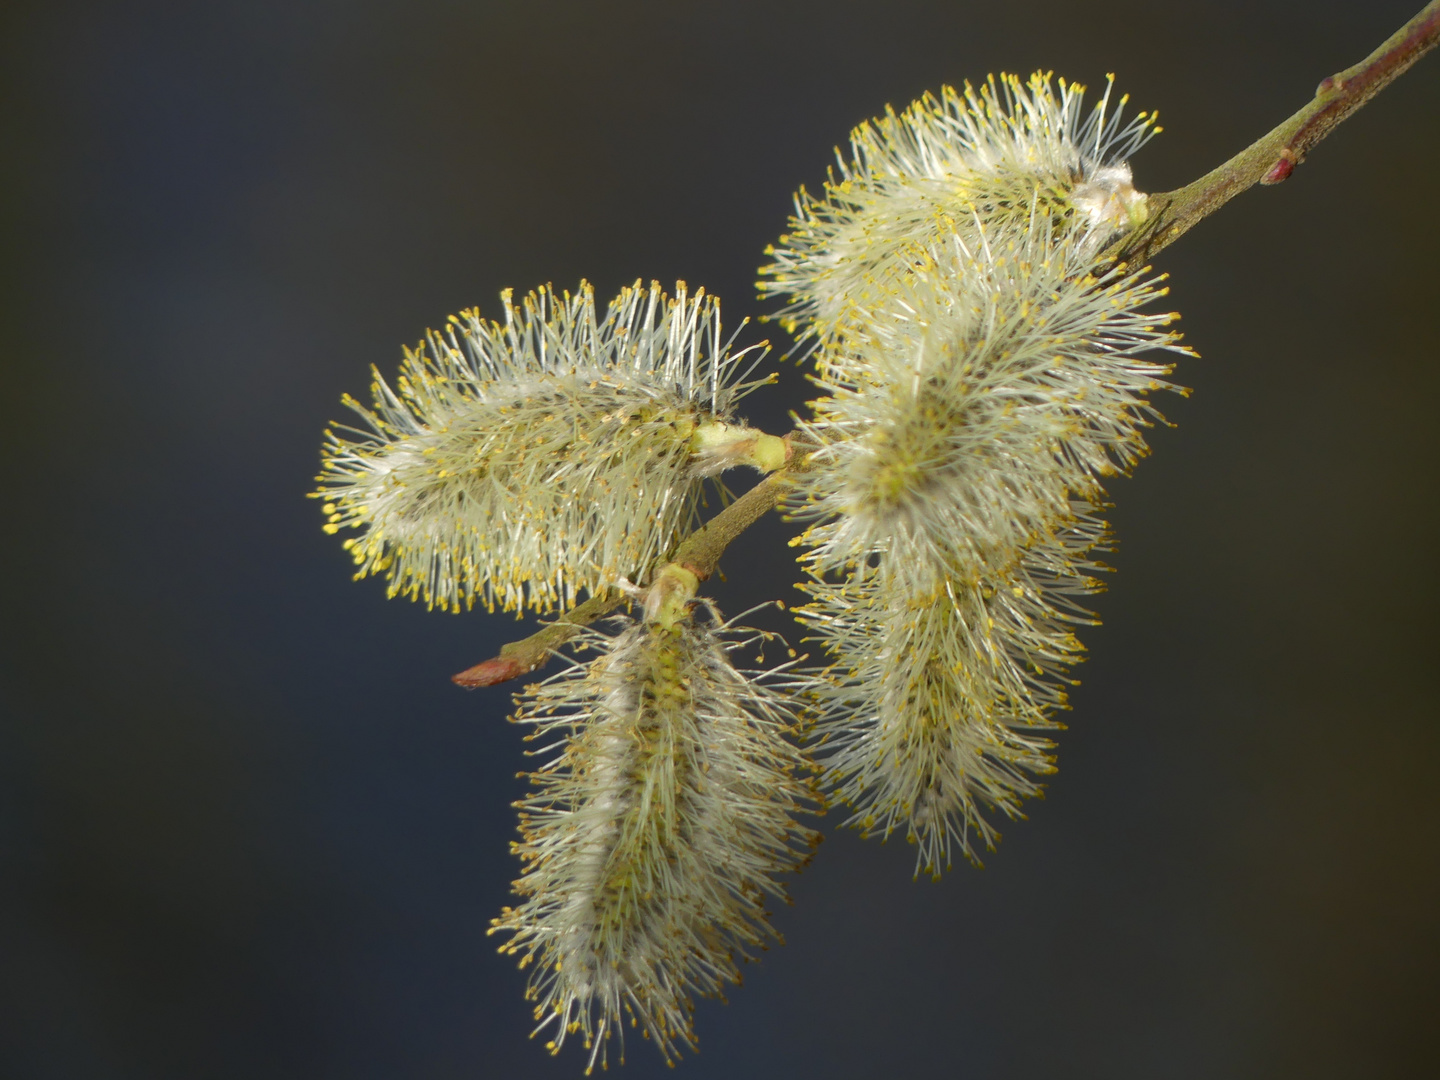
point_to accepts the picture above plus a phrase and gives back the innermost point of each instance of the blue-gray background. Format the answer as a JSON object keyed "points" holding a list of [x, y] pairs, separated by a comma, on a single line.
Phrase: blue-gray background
{"points": [[247, 826]]}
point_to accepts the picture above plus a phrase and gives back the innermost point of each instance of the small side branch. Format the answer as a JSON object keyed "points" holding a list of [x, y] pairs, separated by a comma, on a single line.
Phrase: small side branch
{"points": [[700, 551], [1273, 158], [521, 657]]}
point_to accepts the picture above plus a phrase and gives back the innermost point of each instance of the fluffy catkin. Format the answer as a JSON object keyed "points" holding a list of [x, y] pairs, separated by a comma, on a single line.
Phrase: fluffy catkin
{"points": [[651, 842], [961, 421], [960, 446], [518, 463], [936, 705], [992, 157]]}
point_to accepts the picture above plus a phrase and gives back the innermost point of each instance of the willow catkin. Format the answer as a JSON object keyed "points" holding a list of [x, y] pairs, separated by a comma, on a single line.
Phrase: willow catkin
{"points": [[652, 841], [520, 463]]}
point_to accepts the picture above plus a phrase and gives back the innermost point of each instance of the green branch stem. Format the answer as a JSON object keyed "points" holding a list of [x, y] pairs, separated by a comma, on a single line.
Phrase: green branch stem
{"points": [[1272, 158], [1269, 160]]}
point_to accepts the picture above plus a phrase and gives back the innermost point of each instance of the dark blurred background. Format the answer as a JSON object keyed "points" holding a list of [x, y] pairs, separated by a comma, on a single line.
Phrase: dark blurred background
{"points": [[249, 828]]}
